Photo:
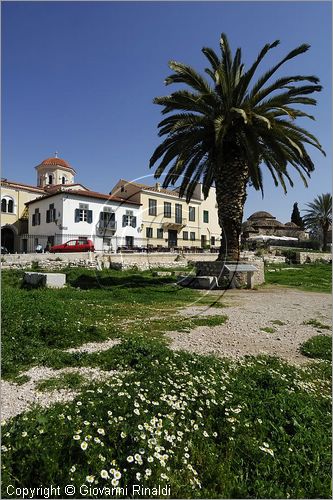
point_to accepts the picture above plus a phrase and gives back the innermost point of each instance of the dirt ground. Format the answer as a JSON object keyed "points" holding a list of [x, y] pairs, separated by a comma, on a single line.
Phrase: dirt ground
{"points": [[248, 312]]}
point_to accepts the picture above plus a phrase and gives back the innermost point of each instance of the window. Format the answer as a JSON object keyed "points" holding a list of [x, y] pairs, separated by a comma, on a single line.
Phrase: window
{"points": [[36, 218], [191, 214], [51, 213], [185, 235], [178, 214], [212, 241], [63, 180], [205, 216], [129, 219], [7, 205], [107, 219], [149, 232], [192, 236], [152, 210], [167, 209], [160, 233], [83, 214], [50, 179], [129, 241]]}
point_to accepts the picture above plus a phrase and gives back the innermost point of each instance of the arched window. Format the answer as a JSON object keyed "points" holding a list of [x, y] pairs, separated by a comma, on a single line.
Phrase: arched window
{"points": [[50, 179], [63, 180], [10, 206], [7, 204]]}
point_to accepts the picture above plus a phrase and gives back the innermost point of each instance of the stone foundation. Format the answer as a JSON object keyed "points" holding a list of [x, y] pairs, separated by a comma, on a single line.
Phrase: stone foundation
{"points": [[217, 269], [303, 257]]}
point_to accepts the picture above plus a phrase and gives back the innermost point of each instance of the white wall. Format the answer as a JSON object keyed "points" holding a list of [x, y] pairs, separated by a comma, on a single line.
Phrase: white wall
{"points": [[65, 205]]}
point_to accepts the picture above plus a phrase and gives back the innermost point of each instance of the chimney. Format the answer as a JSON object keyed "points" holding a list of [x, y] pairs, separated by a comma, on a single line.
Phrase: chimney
{"points": [[158, 186]]}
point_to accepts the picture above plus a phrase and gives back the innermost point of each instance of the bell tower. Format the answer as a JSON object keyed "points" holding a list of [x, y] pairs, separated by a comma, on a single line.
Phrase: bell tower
{"points": [[54, 172]]}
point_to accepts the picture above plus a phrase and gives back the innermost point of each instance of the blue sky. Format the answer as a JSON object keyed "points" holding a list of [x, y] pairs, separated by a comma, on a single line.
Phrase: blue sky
{"points": [[80, 78]]}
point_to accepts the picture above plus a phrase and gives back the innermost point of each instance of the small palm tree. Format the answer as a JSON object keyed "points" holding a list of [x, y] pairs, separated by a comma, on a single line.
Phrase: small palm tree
{"points": [[222, 132], [319, 216]]}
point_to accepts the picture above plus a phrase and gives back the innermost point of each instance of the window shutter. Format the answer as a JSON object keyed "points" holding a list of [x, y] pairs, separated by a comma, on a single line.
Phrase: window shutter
{"points": [[124, 220], [54, 214], [90, 216], [33, 220], [133, 222], [47, 215], [37, 223], [77, 215]]}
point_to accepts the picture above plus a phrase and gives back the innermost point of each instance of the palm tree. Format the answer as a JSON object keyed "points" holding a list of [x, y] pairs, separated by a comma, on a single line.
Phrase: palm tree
{"points": [[319, 215], [222, 131]]}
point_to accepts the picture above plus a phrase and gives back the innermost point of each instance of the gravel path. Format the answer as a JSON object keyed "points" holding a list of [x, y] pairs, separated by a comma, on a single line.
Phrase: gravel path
{"points": [[248, 312], [95, 346], [18, 398]]}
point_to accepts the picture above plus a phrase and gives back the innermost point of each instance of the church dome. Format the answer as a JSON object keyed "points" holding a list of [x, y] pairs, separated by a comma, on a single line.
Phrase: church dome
{"points": [[291, 224], [56, 161], [261, 215]]}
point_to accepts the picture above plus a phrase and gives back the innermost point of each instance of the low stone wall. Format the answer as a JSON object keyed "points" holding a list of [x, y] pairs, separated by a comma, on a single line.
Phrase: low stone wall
{"points": [[217, 269], [302, 257], [141, 261]]}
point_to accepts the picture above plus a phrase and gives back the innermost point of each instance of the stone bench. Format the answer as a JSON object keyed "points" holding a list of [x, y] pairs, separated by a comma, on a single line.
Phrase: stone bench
{"points": [[50, 280]]}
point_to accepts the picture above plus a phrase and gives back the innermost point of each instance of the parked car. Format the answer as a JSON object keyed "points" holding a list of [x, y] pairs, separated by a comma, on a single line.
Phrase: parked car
{"points": [[79, 245], [4, 250]]}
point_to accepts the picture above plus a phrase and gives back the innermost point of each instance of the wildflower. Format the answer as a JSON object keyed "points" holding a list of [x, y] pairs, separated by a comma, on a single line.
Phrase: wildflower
{"points": [[104, 474], [90, 479], [101, 431], [76, 437], [205, 434], [150, 459], [73, 468], [267, 450], [136, 411], [138, 476], [24, 434], [259, 420], [148, 472], [117, 474], [84, 445], [130, 459], [114, 482], [164, 476], [123, 435]]}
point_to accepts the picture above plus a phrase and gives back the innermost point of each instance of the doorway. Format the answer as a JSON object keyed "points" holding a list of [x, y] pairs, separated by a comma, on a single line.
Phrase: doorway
{"points": [[7, 239], [172, 238]]}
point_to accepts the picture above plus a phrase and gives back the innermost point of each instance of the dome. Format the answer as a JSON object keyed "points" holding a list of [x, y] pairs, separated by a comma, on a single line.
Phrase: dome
{"points": [[267, 223], [261, 215], [56, 161], [291, 224]]}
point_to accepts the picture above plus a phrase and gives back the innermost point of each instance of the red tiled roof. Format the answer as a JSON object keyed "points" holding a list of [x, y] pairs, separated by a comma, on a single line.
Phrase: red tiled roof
{"points": [[14, 184], [87, 194], [56, 161], [151, 188]]}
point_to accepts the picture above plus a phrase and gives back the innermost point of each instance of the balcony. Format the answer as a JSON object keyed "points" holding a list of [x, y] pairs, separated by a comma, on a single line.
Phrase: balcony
{"points": [[177, 224], [104, 228]]}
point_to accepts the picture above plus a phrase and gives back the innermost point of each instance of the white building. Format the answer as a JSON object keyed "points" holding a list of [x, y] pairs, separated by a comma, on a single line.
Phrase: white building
{"points": [[69, 213]]}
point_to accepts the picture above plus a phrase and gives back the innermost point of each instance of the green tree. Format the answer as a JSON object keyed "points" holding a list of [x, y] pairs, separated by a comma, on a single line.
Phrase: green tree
{"points": [[222, 131], [319, 216], [296, 216]]}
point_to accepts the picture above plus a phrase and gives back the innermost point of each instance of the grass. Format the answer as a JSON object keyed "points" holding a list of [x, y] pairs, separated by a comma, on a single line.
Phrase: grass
{"points": [[268, 329], [204, 427], [278, 322], [317, 324], [37, 325], [319, 346], [207, 428], [64, 381], [315, 277]]}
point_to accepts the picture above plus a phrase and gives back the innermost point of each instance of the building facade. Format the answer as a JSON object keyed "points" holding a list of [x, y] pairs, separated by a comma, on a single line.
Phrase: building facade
{"points": [[68, 214], [168, 221]]}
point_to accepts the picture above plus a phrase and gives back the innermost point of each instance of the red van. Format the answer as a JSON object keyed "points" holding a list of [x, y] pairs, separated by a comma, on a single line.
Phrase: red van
{"points": [[79, 245]]}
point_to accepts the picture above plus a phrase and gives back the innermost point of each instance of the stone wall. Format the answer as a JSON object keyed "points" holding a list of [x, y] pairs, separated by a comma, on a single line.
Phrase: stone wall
{"points": [[302, 257], [141, 261], [217, 269]]}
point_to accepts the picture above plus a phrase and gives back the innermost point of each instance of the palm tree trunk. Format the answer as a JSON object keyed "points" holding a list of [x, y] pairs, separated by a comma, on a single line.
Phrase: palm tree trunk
{"points": [[325, 234], [231, 182]]}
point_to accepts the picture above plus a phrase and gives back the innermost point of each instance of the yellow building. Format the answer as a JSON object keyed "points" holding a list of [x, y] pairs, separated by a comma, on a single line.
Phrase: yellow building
{"points": [[169, 221]]}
